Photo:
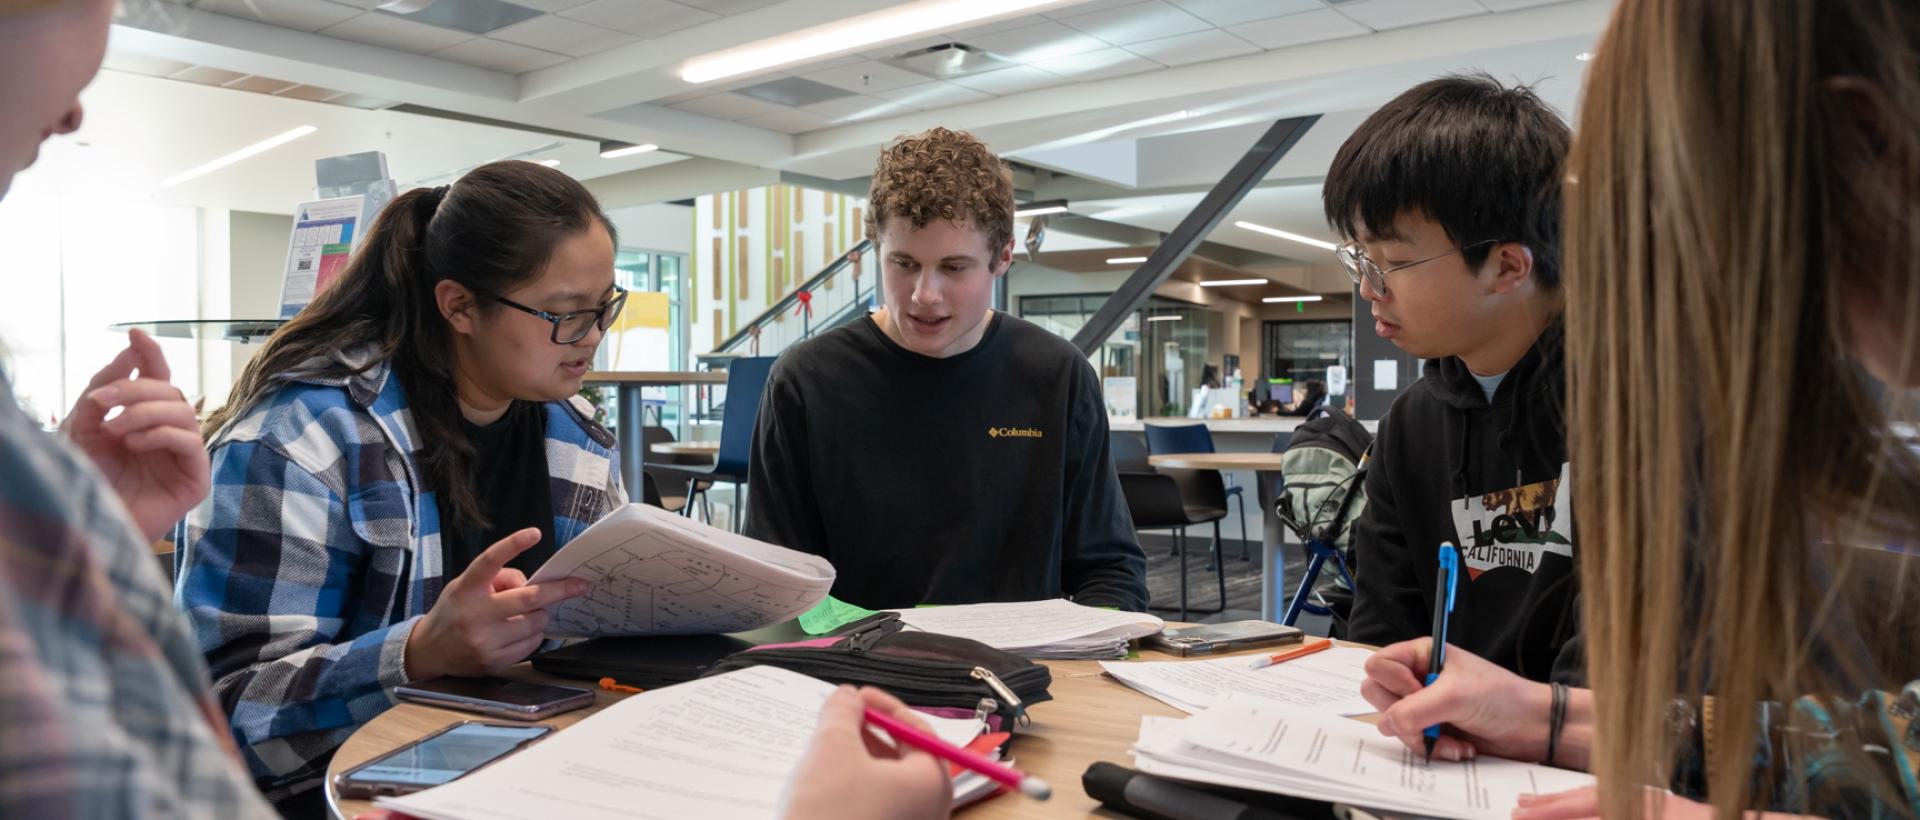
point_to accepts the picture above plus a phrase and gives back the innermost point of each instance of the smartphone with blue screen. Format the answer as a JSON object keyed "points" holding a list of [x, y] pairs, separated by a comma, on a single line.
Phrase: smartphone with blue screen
{"points": [[438, 758]]}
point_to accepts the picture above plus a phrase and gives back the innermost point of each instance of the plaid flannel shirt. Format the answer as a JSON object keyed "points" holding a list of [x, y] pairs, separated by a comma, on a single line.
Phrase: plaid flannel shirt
{"points": [[104, 707], [306, 569]]}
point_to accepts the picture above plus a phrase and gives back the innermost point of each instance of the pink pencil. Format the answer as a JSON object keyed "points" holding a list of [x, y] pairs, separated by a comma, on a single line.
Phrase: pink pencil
{"points": [[1025, 784]]}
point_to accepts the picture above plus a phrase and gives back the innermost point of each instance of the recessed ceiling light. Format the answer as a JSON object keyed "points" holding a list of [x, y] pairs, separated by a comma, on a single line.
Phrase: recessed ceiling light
{"points": [[1050, 206], [851, 34], [630, 150], [1277, 299], [1227, 283], [1583, 56], [262, 146], [1127, 260], [1285, 235]]}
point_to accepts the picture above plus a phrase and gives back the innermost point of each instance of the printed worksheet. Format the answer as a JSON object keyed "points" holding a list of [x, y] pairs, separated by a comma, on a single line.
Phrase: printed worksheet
{"points": [[1056, 628], [1328, 681], [657, 573]]}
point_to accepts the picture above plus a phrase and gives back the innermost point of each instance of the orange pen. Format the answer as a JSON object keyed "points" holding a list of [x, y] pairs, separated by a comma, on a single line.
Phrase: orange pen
{"points": [[612, 685], [1300, 651]]}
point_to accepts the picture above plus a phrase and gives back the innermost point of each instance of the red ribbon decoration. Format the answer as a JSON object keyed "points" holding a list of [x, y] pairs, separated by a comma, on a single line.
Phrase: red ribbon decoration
{"points": [[806, 303]]}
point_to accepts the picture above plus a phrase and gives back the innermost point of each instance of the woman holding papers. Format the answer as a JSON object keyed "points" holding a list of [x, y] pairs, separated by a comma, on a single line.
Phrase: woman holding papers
{"points": [[398, 460], [1743, 213]]}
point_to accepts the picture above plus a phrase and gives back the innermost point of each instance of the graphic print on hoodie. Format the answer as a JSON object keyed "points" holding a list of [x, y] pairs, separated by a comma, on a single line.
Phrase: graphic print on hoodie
{"points": [[1491, 477], [1515, 528]]}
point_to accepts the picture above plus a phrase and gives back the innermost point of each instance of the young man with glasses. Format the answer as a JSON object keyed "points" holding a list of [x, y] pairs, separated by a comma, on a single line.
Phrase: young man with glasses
{"points": [[1449, 197]]}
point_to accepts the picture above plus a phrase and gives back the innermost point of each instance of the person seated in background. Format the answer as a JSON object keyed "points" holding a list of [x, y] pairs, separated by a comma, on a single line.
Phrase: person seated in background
{"points": [[938, 451], [398, 459], [1308, 396]]}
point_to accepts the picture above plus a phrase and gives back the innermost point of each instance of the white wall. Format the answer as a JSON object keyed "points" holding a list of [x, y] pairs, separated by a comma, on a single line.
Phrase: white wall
{"points": [[656, 227], [256, 261]]}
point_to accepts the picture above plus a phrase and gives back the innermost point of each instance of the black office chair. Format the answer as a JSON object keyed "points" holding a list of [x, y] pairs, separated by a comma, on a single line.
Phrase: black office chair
{"points": [[669, 490], [1163, 439], [1160, 499]]}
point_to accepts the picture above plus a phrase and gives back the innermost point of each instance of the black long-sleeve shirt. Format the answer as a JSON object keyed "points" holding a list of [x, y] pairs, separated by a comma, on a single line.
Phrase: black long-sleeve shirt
{"points": [[979, 477]]}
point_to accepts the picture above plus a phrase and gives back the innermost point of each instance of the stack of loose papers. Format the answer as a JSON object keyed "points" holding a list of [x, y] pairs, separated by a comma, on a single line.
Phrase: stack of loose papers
{"points": [[1254, 743], [1328, 681], [719, 747], [1039, 629]]}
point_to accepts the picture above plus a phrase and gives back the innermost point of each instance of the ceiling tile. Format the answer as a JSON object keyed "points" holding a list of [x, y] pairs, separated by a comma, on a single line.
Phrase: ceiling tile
{"points": [[311, 93], [644, 18], [791, 121], [554, 6], [1295, 29], [367, 101], [1381, 15], [867, 77], [856, 108], [302, 15], [933, 95], [725, 7], [1010, 80], [501, 56], [142, 64], [558, 34], [1510, 5], [369, 5], [1235, 12], [206, 75], [1098, 65], [1197, 47], [1008, 24], [1087, 7], [397, 33], [260, 85], [728, 106], [1150, 20], [1032, 44]]}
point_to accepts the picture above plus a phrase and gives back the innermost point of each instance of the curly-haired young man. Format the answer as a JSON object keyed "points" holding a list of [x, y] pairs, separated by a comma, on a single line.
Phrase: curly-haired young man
{"points": [[938, 451]]}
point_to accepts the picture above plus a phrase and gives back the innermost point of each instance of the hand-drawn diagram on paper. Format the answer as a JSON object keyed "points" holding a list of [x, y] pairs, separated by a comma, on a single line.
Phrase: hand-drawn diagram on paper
{"points": [[656, 573]]}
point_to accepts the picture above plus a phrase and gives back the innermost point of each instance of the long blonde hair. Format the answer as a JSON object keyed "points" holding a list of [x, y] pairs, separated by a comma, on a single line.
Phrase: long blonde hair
{"points": [[1724, 203]]}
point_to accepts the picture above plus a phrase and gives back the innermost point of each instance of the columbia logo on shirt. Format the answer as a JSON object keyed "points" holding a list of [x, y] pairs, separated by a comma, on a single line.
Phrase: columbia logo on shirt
{"points": [[1515, 528], [1014, 432]]}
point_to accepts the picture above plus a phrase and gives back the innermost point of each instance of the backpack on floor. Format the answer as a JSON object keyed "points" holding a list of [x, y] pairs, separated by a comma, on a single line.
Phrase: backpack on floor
{"points": [[1324, 493]]}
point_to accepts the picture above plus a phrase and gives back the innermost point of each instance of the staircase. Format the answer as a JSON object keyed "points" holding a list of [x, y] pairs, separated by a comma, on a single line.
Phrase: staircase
{"points": [[840, 293]]}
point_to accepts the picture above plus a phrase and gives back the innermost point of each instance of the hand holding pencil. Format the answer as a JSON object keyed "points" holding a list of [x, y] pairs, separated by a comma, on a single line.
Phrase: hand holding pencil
{"points": [[849, 773]]}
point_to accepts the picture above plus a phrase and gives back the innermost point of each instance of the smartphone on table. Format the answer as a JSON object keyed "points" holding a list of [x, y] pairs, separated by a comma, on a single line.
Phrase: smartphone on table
{"points": [[438, 758], [497, 697], [1213, 638]]}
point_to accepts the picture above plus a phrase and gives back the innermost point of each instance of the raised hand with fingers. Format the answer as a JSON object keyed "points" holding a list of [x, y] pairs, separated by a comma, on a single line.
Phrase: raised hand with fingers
{"points": [[1485, 707], [151, 452], [488, 618], [849, 774]]}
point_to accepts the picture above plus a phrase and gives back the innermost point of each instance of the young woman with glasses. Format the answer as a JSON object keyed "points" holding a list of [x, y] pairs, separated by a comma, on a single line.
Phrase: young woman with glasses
{"points": [[399, 459]]}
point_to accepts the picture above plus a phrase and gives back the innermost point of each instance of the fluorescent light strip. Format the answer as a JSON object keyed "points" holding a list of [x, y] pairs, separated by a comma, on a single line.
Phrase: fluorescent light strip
{"points": [[1165, 318], [1307, 240], [256, 148], [1276, 299], [1044, 209], [1227, 283], [628, 151], [1127, 260], [850, 34], [550, 163]]}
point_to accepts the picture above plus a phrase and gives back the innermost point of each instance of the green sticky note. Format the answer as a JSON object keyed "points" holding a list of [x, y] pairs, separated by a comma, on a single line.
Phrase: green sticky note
{"points": [[831, 614]]}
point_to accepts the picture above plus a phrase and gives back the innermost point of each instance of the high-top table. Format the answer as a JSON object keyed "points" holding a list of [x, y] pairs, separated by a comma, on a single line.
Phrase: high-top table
{"points": [[628, 384]]}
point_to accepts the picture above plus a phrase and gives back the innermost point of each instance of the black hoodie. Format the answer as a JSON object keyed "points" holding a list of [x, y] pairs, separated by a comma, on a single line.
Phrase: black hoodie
{"points": [[1491, 478]]}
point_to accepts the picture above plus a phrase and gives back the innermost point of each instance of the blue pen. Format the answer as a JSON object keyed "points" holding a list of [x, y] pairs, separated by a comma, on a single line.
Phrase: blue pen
{"points": [[1442, 612]]}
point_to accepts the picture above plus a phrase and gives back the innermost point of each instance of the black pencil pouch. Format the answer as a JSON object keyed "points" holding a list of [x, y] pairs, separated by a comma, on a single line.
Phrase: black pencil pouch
{"points": [[922, 669]]}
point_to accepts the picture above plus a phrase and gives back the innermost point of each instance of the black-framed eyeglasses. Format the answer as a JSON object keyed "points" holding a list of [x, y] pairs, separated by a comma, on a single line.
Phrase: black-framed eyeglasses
{"points": [[574, 325], [1354, 259]]}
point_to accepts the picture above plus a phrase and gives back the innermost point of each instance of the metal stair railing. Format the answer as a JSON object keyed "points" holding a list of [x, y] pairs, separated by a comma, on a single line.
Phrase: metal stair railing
{"points": [[841, 291]]}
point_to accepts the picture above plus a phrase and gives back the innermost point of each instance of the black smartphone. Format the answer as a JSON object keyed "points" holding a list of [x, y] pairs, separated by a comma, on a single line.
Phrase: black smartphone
{"points": [[1211, 638], [438, 758], [498, 697]]}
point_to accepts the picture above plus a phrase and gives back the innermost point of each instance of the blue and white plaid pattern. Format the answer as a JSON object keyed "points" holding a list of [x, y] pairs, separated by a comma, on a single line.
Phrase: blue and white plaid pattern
{"points": [[104, 711], [304, 572]]}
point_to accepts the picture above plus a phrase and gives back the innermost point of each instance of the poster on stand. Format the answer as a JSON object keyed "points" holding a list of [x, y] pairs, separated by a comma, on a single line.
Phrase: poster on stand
{"points": [[324, 231]]}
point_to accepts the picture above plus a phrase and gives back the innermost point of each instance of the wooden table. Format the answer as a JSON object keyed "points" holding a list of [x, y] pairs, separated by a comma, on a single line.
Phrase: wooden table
{"points": [[1272, 538], [686, 448], [627, 384], [1091, 718]]}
